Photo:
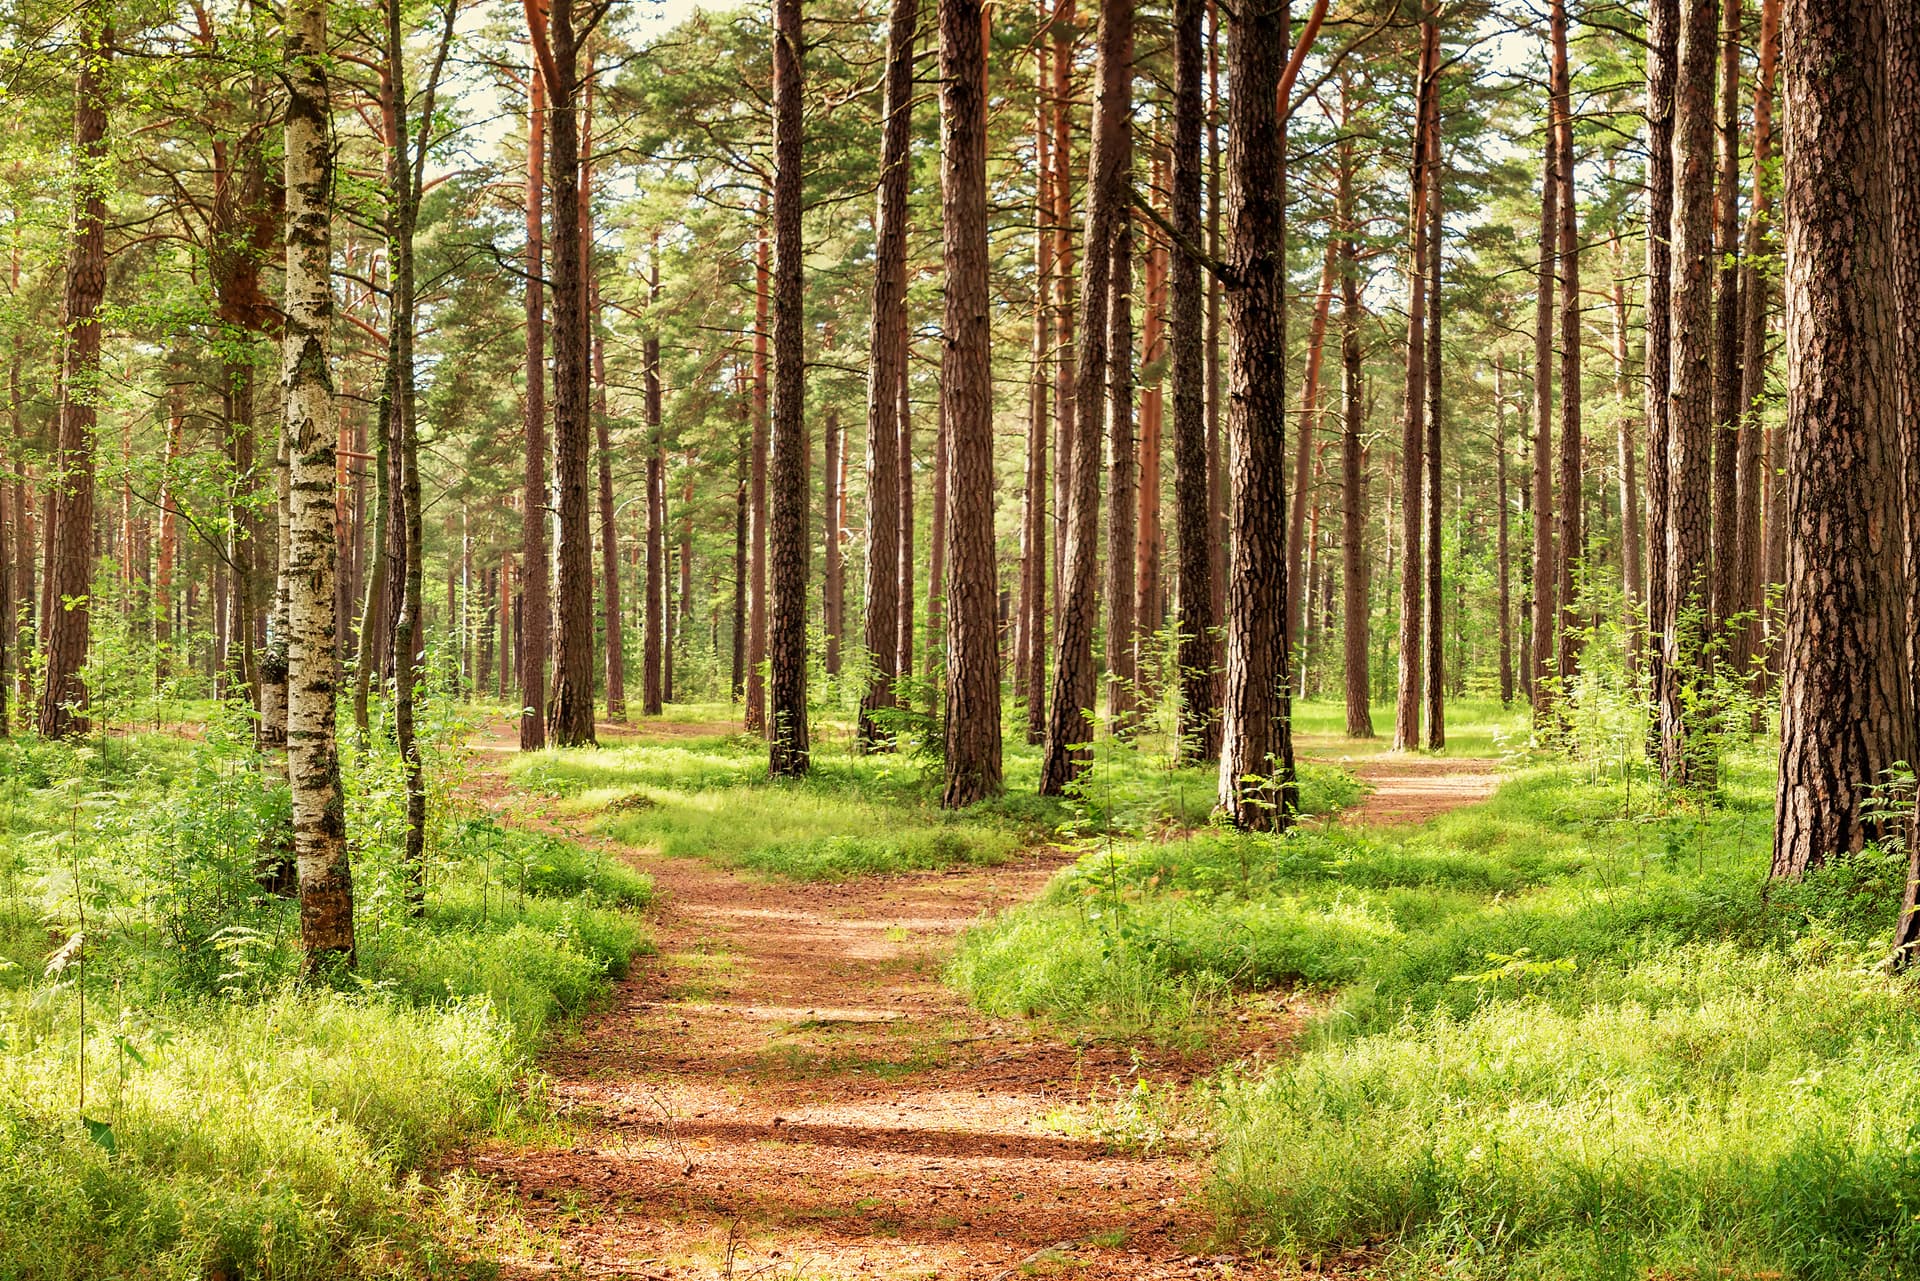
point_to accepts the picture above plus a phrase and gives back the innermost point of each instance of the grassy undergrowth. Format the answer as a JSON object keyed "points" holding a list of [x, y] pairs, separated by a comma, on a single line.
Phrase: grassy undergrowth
{"points": [[708, 796], [1566, 1034], [174, 1103]]}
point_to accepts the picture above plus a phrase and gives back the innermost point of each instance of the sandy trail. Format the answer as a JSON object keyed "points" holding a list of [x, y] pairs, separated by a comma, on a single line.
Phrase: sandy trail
{"points": [[788, 1090]]}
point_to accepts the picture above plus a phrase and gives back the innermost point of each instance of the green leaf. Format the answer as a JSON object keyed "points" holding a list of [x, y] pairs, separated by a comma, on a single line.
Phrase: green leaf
{"points": [[102, 1133]]}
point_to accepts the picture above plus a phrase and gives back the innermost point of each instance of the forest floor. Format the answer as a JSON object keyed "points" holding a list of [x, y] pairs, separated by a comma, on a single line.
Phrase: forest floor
{"points": [[788, 1090]]}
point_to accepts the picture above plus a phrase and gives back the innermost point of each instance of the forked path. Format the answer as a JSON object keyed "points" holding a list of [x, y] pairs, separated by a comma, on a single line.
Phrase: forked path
{"points": [[787, 1090]]}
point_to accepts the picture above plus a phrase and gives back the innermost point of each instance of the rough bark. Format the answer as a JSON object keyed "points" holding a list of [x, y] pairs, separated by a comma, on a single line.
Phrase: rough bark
{"points": [[972, 645], [1070, 705], [1433, 624], [1353, 482], [319, 802], [787, 514], [756, 716], [1729, 593], [1066, 354], [833, 583], [66, 613], [610, 613], [1407, 707], [903, 635], [1755, 479], [1846, 712], [1633, 574], [1663, 24], [1197, 723], [535, 611], [885, 369], [1903, 156], [653, 645], [1123, 478], [1545, 577], [1503, 543], [1257, 787], [1030, 666], [1303, 446], [740, 573], [1569, 539], [1690, 413]]}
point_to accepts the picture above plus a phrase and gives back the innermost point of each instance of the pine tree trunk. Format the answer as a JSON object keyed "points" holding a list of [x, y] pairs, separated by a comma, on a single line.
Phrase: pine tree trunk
{"points": [[653, 648], [1407, 708], [1353, 481], [1030, 666], [535, 612], [1070, 705], [610, 612], [1569, 541], [903, 635], [1149, 607], [1846, 710], [886, 465], [1633, 580], [1066, 368], [1663, 26], [972, 644], [1197, 723], [1216, 457], [65, 614], [757, 604], [1755, 289], [741, 502], [1545, 576], [1257, 788], [833, 584], [1503, 547], [1903, 155], [570, 702], [1123, 483], [1729, 592], [1435, 649], [1303, 447], [319, 802], [937, 546], [787, 514], [1690, 424]]}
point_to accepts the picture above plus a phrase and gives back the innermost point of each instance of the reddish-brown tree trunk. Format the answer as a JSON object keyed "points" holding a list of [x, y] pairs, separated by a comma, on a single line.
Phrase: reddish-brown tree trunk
{"points": [[1729, 591], [833, 583], [1353, 476], [1066, 355], [1756, 479], [1545, 576], [787, 515], [653, 645], [1123, 486], [1433, 624], [756, 717], [1407, 707], [1663, 25], [1303, 447], [1569, 541]]}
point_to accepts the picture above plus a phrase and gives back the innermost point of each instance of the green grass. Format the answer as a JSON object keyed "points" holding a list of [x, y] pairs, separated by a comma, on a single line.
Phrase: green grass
{"points": [[1567, 1033], [214, 1115], [708, 796]]}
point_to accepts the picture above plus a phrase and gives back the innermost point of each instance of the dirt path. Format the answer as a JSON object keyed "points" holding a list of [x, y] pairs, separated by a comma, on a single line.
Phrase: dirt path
{"points": [[1413, 789], [788, 1090]]}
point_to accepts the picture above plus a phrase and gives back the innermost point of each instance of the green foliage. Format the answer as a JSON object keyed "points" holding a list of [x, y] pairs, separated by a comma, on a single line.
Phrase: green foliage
{"points": [[174, 1102]]}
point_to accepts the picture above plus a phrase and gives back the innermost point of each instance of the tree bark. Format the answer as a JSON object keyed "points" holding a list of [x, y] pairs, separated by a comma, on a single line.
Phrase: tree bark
{"points": [[1123, 482], [1503, 548], [1353, 480], [973, 657], [1257, 787], [319, 802], [653, 645], [787, 516], [1846, 712], [1663, 26], [741, 502], [610, 612], [1690, 415], [1066, 355], [1545, 578], [1197, 723], [1569, 540], [1434, 625], [1030, 667], [1303, 447], [570, 702], [535, 610], [1633, 580], [1755, 478], [1070, 707], [1407, 708], [756, 717], [1903, 157], [903, 636], [1149, 609], [66, 614], [833, 584], [885, 369], [1729, 591]]}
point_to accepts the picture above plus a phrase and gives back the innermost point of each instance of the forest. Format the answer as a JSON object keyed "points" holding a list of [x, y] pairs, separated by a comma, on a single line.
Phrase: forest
{"points": [[960, 639]]}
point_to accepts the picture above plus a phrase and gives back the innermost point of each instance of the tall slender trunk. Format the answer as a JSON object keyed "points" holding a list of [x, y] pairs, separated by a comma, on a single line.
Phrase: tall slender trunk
{"points": [[65, 615], [833, 584], [1903, 155], [1197, 726], [1729, 590], [1663, 26], [903, 634], [1066, 361], [1149, 610], [1690, 424], [1407, 708], [787, 516], [886, 463], [1846, 706], [1030, 675], [1353, 477], [535, 612], [319, 802], [570, 702], [973, 660], [1257, 787], [757, 493], [1070, 705], [937, 544], [1569, 549], [653, 674], [1633, 579], [1303, 446], [1123, 482], [610, 614], [1503, 550], [1433, 625], [1756, 480], [1216, 458], [164, 555], [1545, 577], [741, 503]]}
